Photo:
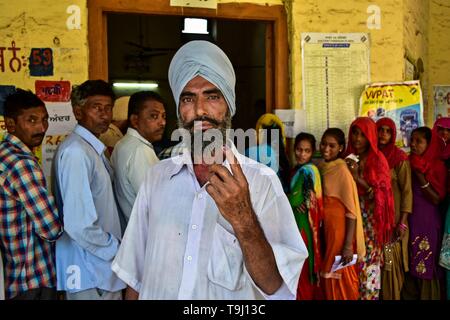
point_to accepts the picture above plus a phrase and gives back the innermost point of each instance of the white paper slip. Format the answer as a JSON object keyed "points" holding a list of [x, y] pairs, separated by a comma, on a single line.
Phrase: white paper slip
{"points": [[337, 265]]}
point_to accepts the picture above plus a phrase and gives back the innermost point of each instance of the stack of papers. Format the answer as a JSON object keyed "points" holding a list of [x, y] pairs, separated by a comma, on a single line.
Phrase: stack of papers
{"points": [[337, 265]]}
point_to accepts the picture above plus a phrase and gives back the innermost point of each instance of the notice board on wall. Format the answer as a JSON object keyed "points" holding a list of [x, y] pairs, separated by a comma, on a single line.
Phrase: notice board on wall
{"points": [[336, 67]]}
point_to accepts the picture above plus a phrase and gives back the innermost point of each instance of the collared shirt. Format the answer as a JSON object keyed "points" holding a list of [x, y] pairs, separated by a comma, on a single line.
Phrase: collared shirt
{"points": [[170, 152], [178, 246], [131, 158], [111, 137], [84, 194], [29, 220]]}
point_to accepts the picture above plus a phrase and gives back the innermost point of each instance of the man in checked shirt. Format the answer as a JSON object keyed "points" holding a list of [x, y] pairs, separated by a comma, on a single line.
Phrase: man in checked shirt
{"points": [[29, 221]]}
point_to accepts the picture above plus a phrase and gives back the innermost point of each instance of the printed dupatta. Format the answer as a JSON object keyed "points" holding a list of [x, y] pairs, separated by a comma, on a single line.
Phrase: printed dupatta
{"points": [[306, 201]]}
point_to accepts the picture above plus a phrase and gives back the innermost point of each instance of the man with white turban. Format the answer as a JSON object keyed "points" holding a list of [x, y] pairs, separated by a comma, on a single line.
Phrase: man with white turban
{"points": [[202, 230]]}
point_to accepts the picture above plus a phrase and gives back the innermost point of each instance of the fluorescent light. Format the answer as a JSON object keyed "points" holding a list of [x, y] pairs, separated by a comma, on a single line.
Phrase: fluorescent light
{"points": [[126, 85], [197, 26]]}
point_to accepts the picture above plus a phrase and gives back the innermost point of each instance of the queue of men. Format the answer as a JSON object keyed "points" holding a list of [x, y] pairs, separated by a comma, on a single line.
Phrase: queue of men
{"points": [[181, 228]]}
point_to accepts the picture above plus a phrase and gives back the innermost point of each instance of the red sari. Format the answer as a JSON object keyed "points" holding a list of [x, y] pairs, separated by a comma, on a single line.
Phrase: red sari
{"points": [[378, 212]]}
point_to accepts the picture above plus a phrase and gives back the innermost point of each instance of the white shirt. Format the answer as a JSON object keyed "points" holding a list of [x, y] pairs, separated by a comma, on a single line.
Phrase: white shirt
{"points": [[131, 158], [178, 246]]}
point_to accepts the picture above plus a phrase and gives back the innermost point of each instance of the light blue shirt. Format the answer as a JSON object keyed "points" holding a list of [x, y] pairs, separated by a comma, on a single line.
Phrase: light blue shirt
{"points": [[84, 195]]}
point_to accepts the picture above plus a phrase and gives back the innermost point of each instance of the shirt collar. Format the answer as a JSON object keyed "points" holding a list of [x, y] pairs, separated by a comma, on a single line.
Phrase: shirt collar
{"points": [[185, 159], [134, 133], [84, 133], [17, 143]]}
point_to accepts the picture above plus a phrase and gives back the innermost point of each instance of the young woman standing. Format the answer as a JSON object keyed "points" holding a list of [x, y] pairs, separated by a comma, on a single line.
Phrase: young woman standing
{"points": [[343, 233], [372, 176]]}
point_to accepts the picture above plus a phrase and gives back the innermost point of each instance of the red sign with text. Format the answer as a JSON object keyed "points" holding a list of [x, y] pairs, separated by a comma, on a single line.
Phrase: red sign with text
{"points": [[53, 91]]}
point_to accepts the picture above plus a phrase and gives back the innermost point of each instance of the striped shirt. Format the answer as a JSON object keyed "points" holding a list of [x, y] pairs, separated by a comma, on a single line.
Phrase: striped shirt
{"points": [[29, 220]]}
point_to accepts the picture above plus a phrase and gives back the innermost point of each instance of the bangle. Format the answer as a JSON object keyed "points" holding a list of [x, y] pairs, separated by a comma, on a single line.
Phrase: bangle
{"points": [[369, 190], [425, 185], [403, 226]]}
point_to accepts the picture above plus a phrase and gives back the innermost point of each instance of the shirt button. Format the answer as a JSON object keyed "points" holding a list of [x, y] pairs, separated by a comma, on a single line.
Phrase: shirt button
{"points": [[194, 226], [189, 258], [200, 196]]}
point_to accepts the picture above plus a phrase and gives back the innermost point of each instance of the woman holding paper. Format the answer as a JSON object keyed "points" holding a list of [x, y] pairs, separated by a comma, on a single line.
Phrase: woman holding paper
{"points": [[373, 179], [396, 252], [343, 231], [306, 201]]}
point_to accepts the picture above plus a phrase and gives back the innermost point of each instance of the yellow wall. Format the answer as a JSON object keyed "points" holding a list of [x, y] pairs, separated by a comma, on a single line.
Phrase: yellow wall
{"points": [[439, 45], [348, 16], [408, 27], [415, 40], [42, 24]]}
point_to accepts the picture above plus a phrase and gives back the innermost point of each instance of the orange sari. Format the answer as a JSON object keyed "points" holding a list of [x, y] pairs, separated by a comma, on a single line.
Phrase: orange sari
{"points": [[340, 201]]}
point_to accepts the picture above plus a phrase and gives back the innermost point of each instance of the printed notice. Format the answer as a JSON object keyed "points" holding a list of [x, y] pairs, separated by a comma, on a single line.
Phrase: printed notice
{"points": [[336, 67]]}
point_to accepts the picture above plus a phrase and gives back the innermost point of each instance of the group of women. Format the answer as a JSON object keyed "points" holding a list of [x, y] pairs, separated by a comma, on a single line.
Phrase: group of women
{"points": [[371, 202]]}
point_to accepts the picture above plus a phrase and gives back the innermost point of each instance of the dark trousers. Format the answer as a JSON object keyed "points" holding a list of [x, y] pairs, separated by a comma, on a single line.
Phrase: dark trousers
{"points": [[37, 294]]}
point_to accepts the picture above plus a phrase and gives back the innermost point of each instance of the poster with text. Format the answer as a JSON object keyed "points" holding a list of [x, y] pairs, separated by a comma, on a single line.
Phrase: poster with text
{"points": [[61, 123], [336, 67], [400, 101]]}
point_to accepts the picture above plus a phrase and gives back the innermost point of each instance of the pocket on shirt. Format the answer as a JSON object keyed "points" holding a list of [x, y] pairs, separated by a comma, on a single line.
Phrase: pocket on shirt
{"points": [[225, 266]]}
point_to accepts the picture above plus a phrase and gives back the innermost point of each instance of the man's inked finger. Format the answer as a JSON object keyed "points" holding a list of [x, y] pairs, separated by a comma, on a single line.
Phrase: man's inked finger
{"points": [[235, 166], [222, 172]]}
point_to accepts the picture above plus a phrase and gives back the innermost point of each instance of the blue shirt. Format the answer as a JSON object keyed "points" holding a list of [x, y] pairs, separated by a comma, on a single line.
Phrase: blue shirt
{"points": [[84, 195]]}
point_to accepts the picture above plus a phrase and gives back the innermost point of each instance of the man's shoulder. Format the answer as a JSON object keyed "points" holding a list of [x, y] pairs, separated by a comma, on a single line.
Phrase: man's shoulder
{"points": [[260, 176], [73, 144], [12, 156]]}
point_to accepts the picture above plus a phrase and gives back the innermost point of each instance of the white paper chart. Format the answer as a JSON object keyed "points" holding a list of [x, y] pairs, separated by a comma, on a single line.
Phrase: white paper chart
{"points": [[336, 67]]}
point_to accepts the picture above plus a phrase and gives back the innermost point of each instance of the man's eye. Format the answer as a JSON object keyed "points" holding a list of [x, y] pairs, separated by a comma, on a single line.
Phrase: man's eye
{"points": [[213, 97], [186, 99]]}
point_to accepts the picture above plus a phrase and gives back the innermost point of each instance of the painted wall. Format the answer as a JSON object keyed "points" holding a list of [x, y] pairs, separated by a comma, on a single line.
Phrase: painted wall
{"points": [[416, 25], [439, 45], [42, 24], [408, 27], [348, 16]]}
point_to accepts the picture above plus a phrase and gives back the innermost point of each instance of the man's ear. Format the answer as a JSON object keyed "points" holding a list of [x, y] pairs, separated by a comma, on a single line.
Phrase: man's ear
{"points": [[77, 112], [10, 125], [134, 121]]}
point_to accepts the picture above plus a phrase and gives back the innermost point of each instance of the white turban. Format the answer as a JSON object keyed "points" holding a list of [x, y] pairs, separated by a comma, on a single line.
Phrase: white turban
{"points": [[205, 59]]}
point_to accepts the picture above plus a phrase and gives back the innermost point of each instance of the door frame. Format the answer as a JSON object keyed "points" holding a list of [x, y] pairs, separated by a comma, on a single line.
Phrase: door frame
{"points": [[277, 77]]}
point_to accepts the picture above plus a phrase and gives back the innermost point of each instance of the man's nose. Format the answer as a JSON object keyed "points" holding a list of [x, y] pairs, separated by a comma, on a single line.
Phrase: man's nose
{"points": [[200, 107], [162, 122], [42, 127]]}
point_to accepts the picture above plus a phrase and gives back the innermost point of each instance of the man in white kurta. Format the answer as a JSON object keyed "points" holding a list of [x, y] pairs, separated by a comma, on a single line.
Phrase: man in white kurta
{"points": [[220, 231], [134, 153]]}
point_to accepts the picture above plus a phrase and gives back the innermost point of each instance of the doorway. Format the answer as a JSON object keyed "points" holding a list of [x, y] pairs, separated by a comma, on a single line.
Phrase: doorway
{"points": [[136, 40], [139, 52]]}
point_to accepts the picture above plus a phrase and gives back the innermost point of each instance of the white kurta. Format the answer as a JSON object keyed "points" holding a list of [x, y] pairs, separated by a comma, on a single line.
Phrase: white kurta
{"points": [[131, 158], [178, 246]]}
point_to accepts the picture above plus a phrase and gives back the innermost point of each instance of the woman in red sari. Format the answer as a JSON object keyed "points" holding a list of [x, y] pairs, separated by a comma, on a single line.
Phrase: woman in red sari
{"points": [[429, 178], [372, 176], [396, 252]]}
